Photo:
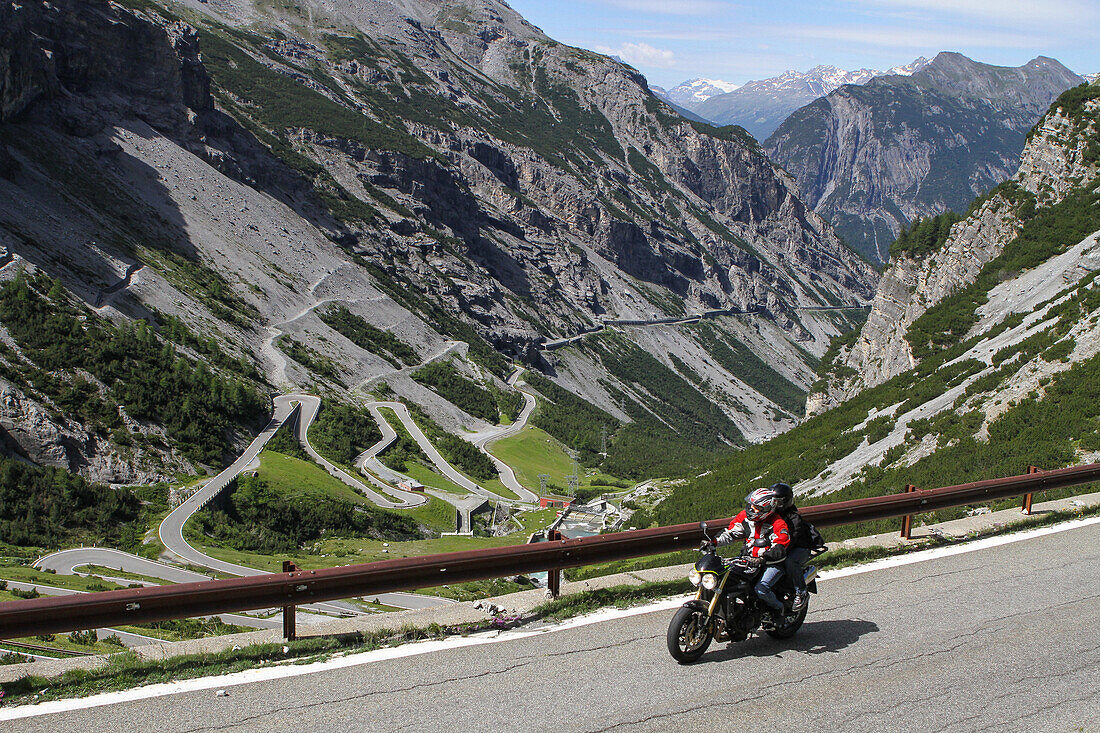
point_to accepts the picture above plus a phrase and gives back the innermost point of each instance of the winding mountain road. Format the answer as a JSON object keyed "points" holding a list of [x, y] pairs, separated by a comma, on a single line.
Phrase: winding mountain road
{"points": [[485, 437], [369, 458]]}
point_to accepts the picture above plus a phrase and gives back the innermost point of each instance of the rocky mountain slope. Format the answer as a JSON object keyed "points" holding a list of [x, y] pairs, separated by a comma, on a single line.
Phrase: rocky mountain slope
{"points": [[760, 106], [980, 357], [234, 173], [928, 296], [873, 158]]}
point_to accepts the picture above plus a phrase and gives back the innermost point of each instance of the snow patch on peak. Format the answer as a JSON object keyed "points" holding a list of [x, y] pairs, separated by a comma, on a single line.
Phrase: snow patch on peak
{"points": [[699, 90]]}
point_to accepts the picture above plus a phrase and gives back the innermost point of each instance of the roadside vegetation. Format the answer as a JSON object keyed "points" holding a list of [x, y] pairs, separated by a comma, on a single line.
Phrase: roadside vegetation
{"points": [[342, 431]]}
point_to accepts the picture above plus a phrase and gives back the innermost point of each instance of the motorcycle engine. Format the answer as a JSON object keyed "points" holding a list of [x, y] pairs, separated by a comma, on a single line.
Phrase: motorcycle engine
{"points": [[741, 621]]}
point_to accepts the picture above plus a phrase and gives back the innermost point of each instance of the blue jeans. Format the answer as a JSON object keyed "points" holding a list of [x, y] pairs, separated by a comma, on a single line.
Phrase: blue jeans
{"points": [[794, 563], [764, 591]]}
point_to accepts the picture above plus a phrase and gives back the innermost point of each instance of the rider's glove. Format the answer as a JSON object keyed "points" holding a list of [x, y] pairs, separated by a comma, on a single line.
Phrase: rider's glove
{"points": [[725, 538], [754, 562]]}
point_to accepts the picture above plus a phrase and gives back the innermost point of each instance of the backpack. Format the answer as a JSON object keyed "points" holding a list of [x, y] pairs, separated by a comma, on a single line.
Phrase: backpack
{"points": [[803, 534]]}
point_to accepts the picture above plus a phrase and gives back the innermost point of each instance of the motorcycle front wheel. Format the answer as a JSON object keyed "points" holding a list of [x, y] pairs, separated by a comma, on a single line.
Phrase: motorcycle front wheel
{"points": [[688, 636]]}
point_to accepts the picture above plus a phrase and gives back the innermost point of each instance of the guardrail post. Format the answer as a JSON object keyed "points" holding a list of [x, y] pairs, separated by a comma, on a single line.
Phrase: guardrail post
{"points": [[1026, 508], [289, 626], [553, 576], [907, 520]]}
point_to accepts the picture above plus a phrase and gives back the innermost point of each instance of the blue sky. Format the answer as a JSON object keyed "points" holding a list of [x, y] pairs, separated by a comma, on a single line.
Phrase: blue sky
{"points": [[673, 40]]}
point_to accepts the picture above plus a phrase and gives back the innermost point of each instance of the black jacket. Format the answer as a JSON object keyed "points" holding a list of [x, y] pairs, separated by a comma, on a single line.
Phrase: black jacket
{"points": [[798, 528]]}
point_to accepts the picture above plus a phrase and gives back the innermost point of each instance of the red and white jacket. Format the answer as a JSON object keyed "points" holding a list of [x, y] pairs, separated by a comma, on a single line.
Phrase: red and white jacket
{"points": [[773, 529]]}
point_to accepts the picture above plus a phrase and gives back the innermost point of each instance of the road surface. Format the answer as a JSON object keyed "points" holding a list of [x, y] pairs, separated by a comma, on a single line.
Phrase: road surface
{"points": [[998, 639]]}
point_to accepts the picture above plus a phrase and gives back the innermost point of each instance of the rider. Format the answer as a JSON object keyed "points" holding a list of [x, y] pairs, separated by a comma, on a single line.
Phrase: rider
{"points": [[801, 543], [766, 539]]}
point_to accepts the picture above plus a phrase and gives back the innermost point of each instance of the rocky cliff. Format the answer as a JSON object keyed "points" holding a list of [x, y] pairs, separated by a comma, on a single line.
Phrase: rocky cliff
{"points": [[873, 158], [1059, 163]]}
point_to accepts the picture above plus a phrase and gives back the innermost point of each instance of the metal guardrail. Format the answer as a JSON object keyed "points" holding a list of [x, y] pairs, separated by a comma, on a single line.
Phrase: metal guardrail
{"points": [[299, 587]]}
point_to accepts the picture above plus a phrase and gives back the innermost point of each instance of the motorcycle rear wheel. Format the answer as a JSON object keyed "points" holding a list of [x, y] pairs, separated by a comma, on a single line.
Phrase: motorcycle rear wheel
{"points": [[793, 624], [688, 636]]}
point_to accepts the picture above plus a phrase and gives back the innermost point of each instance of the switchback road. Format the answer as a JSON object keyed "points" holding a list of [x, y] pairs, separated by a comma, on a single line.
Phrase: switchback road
{"points": [[997, 639]]}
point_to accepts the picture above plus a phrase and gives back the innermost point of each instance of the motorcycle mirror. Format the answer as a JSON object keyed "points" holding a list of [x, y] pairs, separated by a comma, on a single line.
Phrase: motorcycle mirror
{"points": [[703, 526]]}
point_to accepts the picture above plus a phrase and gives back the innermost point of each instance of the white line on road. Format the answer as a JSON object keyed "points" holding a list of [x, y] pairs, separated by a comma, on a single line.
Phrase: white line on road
{"points": [[492, 637]]}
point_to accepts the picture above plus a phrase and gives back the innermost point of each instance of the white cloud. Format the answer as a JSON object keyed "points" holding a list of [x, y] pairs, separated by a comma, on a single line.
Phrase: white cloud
{"points": [[641, 55]]}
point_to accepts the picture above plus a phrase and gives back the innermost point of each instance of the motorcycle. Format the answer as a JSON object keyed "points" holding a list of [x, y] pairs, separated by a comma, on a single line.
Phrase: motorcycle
{"points": [[726, 608]]}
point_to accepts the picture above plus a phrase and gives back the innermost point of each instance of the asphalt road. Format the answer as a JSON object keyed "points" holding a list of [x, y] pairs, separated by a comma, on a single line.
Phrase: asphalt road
{"points": [[1000, 639]]}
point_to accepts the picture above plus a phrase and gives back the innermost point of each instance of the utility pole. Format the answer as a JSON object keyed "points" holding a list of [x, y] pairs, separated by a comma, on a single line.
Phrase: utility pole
{"points": [[603, 440], [574, 480], [543, 478]]}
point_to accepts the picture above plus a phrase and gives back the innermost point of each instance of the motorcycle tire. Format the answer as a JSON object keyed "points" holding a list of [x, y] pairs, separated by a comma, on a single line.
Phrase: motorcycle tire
{"points": [[787, 630], [688, 636]]}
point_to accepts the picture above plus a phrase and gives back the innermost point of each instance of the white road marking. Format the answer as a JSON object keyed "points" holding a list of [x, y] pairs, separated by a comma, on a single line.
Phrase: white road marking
{"points": [[490, 637]]}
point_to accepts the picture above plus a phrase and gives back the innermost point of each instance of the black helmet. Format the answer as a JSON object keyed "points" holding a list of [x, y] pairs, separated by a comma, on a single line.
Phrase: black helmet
{"points": [[784, 496]]}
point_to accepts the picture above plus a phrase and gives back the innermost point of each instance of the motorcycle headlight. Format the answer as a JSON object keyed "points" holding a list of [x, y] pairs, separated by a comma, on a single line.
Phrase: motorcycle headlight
{"points": [[710, 581], [694, 576]]}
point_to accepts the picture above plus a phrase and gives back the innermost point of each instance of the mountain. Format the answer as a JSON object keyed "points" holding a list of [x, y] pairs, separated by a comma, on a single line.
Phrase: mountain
{"points": [[938, 288], [980, 357], [873, 158], [1091, 77], [203, 204], [760, 106], [696, 91]]}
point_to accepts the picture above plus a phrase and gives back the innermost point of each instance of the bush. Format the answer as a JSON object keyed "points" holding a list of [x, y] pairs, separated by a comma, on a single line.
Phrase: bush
{"points": [[368, 337], [464, 393], [46, 507], [573, 421], [341, 432], [924, 236], [84, 638], [197, 407]]}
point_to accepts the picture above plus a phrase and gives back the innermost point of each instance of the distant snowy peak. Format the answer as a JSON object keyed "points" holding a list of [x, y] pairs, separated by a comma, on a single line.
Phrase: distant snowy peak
{"points": [[697, 91], [1091, 77], [821, 80]]}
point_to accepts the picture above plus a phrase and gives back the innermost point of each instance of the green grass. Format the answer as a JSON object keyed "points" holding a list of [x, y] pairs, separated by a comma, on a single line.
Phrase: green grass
{"points": [[533, 451], [497, 487], [60, 641], [27, 574], [336, 551], [295, 477], [102, 570], [429, 477], [437, 515]]}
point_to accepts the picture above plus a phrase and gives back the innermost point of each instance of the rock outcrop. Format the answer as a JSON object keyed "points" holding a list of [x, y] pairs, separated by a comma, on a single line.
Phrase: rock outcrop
{"points": [[873, 158]]}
